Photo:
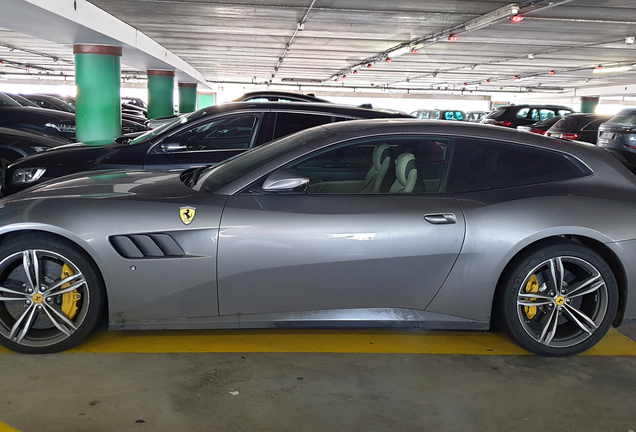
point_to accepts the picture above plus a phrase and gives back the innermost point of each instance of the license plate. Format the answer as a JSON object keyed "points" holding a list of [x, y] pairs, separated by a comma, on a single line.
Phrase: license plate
{"points": [[607, 135]]}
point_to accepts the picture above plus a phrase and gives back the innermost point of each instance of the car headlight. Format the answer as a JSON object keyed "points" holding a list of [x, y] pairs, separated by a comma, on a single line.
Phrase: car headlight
{"points": [[28, 175]]}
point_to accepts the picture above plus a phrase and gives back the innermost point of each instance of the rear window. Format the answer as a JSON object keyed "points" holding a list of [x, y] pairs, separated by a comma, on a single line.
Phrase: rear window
{"points": [[496, 113], [624, 117], [571, 123]]}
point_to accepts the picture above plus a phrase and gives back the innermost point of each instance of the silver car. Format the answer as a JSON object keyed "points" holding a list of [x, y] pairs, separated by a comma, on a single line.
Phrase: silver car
{"points": [[373, 223]]}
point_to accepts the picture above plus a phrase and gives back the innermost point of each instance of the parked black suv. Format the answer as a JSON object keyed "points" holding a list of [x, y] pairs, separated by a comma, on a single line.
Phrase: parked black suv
{"points": [[204, 137], [518, 115], [581, 127]]}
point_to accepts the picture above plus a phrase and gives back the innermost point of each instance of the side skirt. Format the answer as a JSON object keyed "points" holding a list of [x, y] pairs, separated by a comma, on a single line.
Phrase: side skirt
{"points": [[385, 318]]}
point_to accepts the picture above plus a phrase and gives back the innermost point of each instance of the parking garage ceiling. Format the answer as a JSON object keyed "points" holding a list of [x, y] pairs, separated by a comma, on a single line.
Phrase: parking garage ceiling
{"points": [[558, 46]]}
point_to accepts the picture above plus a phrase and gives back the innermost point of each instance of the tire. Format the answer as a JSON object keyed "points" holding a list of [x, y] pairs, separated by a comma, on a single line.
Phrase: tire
{"points": [[559, 300], [51, 294]]}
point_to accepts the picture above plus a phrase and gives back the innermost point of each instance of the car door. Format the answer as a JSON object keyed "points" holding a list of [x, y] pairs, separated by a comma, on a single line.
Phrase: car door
{"points": [[334, 248], [206, 143]]}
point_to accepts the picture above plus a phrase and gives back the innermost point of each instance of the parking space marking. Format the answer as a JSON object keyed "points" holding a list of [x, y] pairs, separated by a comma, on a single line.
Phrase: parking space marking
{"points": [[6, 428], [325, 341]]}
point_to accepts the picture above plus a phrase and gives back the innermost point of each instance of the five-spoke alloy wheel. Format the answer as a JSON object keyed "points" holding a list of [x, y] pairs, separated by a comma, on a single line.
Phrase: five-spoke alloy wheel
{"points": [[50, 296], [559, 300]]}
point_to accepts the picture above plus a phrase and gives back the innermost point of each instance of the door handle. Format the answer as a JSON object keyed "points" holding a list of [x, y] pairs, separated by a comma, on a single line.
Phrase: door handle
{"points": [[441, 218]]}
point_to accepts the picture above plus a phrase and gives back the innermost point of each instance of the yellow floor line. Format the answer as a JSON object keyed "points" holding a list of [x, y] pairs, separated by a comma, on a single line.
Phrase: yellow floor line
{"points": [[6, 428], [329, 341]]}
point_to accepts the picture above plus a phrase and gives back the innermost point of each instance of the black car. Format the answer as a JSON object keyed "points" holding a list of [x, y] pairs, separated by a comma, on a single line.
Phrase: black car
{"points": [[50, 102], [15, 144], [540, 127], [204, 137], [50, 122], [129, 122], [581, 127], [619, 132], [278, 96], [518, 115], [22, 100]]}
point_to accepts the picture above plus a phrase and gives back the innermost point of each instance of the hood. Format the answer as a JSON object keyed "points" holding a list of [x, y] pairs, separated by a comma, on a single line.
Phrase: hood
{"points": [[14, 136], [63, 154], [110, 184], [41, 114]]}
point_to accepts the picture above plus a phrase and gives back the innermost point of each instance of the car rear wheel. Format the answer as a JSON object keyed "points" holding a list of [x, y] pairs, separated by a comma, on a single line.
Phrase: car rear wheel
{"points": [[50, 295], [559, 300]]}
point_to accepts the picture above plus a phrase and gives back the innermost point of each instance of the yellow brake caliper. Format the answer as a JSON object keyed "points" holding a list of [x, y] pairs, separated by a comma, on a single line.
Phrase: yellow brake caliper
{"points": [[69, 299], [532, 287]]}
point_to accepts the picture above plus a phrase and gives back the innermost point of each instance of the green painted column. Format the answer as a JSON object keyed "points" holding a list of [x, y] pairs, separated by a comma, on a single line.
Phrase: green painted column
{"points": [[187, 97], [589, 103], [160, 93], [98, 81], [206, 100]]}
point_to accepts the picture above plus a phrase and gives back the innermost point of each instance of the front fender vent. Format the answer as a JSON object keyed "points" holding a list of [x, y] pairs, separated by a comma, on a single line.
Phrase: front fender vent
{"points": [[139, 246]]}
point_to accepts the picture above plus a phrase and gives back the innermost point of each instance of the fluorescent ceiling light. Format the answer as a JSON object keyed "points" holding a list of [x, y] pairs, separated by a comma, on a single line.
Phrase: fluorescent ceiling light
{"points": [[399, 51], [612, 69], [497, 15]]}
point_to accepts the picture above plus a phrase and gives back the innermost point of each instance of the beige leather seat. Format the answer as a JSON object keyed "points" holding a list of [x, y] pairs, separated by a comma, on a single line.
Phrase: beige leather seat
{"points": [[375, 176], [406, 174]]}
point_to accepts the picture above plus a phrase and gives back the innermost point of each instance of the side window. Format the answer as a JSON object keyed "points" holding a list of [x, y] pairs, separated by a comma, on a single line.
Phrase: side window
{"points": [[523, 112], [459, 115], [449, 115], [594, 125], [564, 112], [288, 122], [546, 114], [534, 114], [482, 165], [231, 132], [392, 165]]}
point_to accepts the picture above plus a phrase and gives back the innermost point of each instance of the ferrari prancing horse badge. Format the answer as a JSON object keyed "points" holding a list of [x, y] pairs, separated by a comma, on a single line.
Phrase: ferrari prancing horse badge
{"points": [[187, 214]]}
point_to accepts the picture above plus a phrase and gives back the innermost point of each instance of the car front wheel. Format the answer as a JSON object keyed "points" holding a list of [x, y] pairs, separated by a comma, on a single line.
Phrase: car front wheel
{"points": [[559, 300], [50, 294]]}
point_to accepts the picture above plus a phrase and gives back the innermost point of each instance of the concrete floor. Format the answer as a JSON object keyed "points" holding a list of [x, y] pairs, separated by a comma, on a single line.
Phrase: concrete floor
{"points": [[317, 392]]}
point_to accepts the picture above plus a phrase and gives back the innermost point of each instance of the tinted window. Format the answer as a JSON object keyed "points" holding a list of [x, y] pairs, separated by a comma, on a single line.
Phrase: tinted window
{"points": [[7, 101], [625, 117], [483, 165], [523, 113], [288, 123], [595, 124], [231, 132], [496, 113], [546, 114], [377, 165]]}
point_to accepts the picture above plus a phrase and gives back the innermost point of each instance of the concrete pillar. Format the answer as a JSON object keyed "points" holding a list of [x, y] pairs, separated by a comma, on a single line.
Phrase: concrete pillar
{"points": [[98, 81], [206, 99], [160, 93], [187, 97], [589, 103]]}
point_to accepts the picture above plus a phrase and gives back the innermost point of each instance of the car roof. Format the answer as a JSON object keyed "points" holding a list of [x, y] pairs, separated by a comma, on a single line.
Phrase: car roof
{"points": [[304, 107], [453, 128], [535, 106], [265, 93]]}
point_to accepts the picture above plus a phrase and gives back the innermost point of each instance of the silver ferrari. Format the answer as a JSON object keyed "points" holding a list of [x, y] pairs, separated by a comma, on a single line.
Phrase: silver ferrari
{"points": [[373, 223]]}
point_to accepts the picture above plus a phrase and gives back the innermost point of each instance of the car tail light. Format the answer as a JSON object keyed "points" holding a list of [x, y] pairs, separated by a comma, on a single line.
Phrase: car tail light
{"points": [[570, 136], [539, 131], [501, 122]]}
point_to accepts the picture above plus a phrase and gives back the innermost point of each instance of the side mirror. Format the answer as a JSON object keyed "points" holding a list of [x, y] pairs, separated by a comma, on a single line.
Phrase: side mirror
{"points": [[286, 181], [172, 147]]}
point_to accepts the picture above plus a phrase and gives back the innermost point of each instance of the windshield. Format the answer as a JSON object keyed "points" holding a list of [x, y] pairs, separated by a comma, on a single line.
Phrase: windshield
{"points": [[213, 178], [7, 101], [159, 130]]}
